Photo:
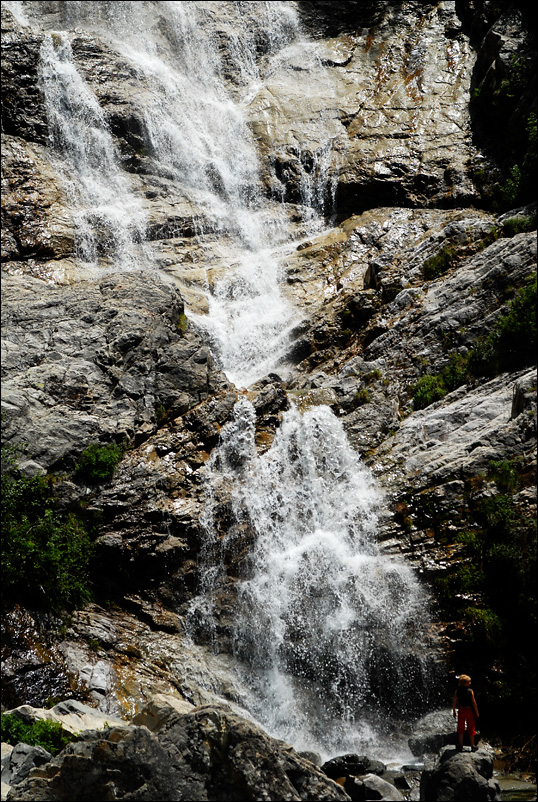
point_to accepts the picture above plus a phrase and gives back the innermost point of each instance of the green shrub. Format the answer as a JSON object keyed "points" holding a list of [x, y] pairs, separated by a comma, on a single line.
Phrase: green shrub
{"points": [[515, 333], [160, 413], [362, 396], [372, 376], [48, 734], [437, 265], [485, 625], [518, 225], [510, 189], [529, 163], [97, 463], [456, 372], [505, 474], [483, 359], [182, 323], [427, 390], [45, 555]]}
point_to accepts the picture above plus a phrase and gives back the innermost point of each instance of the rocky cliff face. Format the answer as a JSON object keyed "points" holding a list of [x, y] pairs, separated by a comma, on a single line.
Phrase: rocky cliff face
{"points": [[374, 123]]}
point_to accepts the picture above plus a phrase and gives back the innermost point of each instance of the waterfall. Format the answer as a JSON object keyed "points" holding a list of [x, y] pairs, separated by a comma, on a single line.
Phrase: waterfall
{"points": [[109, 219], [197, 67], [329, 631]]}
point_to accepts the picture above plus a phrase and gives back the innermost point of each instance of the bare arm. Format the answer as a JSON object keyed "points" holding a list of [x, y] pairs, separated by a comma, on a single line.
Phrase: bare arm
{"points": [[454, 704]]}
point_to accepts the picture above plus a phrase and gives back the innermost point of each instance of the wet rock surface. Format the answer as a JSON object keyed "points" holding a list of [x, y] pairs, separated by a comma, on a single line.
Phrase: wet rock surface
{"points": [[388, 86], [112, 358]]}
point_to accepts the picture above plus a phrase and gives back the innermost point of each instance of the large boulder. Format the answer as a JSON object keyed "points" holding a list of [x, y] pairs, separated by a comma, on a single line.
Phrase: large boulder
{"points": [[20, 760], [370, 786], [74, 716], [207, 753], [97, 360], [352, 765], [460, 775], [435, 731], [360, 777]]}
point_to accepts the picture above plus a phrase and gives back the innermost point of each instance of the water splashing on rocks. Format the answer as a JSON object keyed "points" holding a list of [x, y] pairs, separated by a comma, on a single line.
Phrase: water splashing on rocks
{"points": [[329, 631], [109, 218]]}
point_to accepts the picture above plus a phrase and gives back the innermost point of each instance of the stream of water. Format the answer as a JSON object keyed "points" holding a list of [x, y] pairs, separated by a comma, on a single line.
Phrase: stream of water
{"points": [[328, 632], [331, 630], [108, 217]]}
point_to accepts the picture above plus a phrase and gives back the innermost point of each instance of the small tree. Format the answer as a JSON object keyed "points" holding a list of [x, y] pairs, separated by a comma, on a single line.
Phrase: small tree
{"points": [[97, 463]]}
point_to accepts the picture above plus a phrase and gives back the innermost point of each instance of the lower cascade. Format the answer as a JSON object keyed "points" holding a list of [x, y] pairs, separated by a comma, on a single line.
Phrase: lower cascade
{"points": [[329, 633]]}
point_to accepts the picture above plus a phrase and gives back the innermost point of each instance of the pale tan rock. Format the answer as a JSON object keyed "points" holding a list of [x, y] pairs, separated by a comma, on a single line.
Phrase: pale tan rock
{"points": [[74, 716], [159, 709]]}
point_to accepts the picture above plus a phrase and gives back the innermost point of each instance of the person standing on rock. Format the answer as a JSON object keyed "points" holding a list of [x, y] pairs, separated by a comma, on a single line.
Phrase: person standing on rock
{"points": [[465, 703]]}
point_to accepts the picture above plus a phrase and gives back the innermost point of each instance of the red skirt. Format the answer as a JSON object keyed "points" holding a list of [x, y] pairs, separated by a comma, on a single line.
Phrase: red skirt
{"points": [[466, 716]]}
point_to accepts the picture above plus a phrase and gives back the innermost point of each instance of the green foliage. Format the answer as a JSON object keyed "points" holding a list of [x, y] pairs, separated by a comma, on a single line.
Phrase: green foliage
{"points": [[437, 265], [427, 390], [515, 333], [160, 413], [518, 225], [48, 734], [509, 190], [456, 372], [362, 396], [45, 555], [519, 186], [491, 589], [505, 473], [97, 463], [510, 137], [182, 323], [484, 624], [529, 173], [372, 376], [510, 345]]}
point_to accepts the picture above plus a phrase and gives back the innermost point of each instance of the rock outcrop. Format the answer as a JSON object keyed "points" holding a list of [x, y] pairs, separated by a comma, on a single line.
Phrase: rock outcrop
{"points": [[103, 361], [386, 120], [460, 775], [402, 79], [173, 752]]}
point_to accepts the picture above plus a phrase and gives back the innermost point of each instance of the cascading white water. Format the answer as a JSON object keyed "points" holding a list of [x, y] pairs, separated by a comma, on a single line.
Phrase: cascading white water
{"points": [[199, 62], [329, 630], [108, 217]]}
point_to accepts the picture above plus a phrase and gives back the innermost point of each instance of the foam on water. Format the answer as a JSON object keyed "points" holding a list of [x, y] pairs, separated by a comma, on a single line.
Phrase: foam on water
{"points": [[329, 630]]}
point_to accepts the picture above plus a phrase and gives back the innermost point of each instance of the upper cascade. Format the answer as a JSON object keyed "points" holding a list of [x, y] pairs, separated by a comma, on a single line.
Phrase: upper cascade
{"points": [[195, 68], [109, 218]]}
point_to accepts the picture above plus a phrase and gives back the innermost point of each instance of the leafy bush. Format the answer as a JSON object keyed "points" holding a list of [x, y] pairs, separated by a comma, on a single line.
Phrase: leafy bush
{"points": [[491, 590], [97, 463], [427, 390], [515, 333], [440, 263], [518, 225], [520, 184], [45, 555], [362, 396], [505, 474], [48, 734], [486, 626]]}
